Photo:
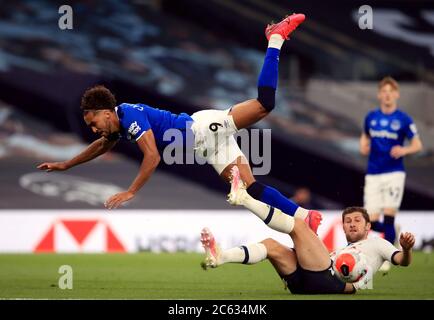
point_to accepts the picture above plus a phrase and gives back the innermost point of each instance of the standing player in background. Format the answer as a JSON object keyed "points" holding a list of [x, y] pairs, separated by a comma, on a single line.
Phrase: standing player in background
{"points": [[213, 130], [385, 130]]}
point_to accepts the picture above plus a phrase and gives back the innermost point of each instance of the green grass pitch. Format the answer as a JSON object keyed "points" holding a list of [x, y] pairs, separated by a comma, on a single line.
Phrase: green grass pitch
{"points": [[179, 276]]}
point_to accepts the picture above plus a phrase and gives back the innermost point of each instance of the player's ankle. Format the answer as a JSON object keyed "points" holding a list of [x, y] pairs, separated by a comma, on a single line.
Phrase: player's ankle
{"points": [[276, 41]]}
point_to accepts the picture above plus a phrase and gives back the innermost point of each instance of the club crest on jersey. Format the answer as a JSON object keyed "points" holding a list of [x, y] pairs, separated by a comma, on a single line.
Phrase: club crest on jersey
{"points": [[134, 128], [395, 125], [384, 122]]}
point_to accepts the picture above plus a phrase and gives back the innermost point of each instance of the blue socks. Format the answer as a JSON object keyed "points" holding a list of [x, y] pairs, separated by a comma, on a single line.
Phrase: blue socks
{"points": [[272, 197], [387, 227], [270, 69], [267, 81], [377, 226]]}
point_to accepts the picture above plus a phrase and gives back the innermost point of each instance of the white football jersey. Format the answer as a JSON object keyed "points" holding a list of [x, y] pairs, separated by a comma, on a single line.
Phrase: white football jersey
{"points": [[377, 250]]}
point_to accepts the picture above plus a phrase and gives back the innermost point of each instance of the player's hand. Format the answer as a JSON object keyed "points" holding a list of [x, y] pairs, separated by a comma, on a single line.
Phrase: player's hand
{"points": [[365, 150], [115, 201], [407, 240], [397, 152], [365, 282], [52, 166]]}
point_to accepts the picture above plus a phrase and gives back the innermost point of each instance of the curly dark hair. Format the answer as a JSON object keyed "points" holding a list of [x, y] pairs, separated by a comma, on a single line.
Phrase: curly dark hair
{"points": [[97, 98], [363, 211]]}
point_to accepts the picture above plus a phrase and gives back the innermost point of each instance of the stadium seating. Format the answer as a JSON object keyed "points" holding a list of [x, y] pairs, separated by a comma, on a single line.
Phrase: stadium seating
{"points": [[150, 54]]}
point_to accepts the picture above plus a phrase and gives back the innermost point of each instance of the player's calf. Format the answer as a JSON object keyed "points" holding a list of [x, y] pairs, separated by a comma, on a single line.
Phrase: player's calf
{"points": [[276, 34]]}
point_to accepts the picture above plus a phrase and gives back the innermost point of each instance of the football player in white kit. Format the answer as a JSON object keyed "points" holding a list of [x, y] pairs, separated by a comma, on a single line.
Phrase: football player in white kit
{"points": [[306, 268]]}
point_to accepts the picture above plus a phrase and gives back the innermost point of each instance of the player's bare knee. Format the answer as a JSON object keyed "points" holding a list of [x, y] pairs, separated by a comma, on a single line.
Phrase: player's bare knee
{"points": [[299, 225], [226, 174], [272, 247], [269, 243], [248, 180]]}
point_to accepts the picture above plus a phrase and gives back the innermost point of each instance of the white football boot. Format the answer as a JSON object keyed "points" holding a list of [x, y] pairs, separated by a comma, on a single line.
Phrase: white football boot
{"points": [[238, 188], [212, 250]]}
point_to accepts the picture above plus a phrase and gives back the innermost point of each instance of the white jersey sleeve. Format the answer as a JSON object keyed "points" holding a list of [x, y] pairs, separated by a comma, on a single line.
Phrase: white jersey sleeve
{"points": [[377, 250], [386, 249]]}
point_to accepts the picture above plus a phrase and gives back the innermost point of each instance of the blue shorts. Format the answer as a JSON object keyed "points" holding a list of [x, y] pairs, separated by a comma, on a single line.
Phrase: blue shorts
{"points": [[303, 281]]}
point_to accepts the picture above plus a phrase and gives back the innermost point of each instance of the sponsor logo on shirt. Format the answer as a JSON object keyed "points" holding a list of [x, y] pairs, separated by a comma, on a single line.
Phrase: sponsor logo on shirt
{"points": [[384, 122], [373, 122], [134, 128], [383, 134]]}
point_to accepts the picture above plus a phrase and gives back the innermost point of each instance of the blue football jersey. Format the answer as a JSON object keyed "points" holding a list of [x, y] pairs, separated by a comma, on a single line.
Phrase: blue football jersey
{"points": [[136, 119], [386, 131]]}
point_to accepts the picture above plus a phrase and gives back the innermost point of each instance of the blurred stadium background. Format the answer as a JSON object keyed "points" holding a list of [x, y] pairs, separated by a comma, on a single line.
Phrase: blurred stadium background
{"points": [[185, 56]]}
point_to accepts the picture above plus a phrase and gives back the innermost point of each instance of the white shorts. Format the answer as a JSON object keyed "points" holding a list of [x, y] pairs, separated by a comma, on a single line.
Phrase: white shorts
{"points": [[213, 136], [383, 191]]}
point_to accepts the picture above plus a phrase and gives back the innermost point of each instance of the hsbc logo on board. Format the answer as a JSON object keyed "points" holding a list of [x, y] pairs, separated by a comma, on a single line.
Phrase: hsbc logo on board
{"points": [[79, 235]]}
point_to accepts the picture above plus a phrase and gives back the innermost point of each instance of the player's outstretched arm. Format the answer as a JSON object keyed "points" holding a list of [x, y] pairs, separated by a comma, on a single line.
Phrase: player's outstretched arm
{"points": [[403, 258], [95, 149], [151, 159], [365, 144]]}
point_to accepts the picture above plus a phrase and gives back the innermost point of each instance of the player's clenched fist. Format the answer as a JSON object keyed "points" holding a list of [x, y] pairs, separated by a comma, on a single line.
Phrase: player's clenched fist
{"points": [[397, 152], [407, 240], [52, 166]]}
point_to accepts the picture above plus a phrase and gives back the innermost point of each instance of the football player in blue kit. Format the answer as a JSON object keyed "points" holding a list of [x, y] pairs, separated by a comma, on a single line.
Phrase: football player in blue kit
{"points": [[213, 131], [385, 130]]}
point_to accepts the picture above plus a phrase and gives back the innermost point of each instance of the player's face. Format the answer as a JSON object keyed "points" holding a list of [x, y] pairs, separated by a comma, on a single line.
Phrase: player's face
{"points": [[388, 96], [355, 227], [101, 122]]}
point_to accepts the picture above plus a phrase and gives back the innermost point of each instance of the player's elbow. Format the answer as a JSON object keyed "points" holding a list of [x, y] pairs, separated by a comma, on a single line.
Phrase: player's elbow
{"points": [[155, 159], [419, 146], [416, 145]]}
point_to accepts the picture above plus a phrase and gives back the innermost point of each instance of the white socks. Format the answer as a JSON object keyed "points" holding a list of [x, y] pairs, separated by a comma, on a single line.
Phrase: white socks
{"points": [[273, 217], [276, 41], [301, 213], [250, 254]]}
